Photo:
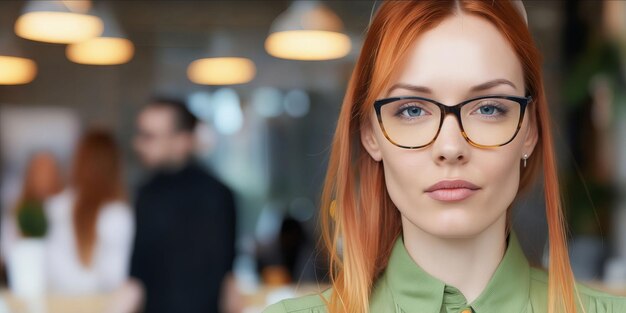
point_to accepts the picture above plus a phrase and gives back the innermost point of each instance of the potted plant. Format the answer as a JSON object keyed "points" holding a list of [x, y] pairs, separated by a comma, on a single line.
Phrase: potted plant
{"points": [[27, 261]]}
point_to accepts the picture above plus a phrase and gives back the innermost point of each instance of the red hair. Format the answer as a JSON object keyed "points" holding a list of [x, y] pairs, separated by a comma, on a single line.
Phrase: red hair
{"points": [[96, 179], [355, 205]]}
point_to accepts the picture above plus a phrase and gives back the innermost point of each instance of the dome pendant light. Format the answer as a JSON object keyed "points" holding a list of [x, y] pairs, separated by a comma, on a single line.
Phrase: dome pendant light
{"points": [[221, 71], [14, 69], [308, 30], [57, 22], [111, 48], [224, 68]]}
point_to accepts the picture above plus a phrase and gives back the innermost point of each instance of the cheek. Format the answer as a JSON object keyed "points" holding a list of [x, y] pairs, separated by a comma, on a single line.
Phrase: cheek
{"points": [[406, 174], [500, 174]]}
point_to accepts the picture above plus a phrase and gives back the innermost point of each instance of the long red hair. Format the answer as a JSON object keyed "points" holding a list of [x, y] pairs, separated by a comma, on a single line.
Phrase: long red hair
{"points": [[96, 179], [355, 206]]}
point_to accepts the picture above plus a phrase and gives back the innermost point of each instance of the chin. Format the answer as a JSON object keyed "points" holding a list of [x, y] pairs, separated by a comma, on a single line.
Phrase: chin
{"points": [[459, 232], [150, 164], [451, 224]]}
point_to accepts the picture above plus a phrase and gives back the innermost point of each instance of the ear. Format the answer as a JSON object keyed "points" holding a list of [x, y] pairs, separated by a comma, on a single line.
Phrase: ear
{"points": [[530, 140], [369, 141]]}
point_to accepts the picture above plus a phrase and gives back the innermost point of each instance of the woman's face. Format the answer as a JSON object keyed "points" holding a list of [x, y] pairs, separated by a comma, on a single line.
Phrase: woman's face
{"points": [[462, 52], [46, 177]]}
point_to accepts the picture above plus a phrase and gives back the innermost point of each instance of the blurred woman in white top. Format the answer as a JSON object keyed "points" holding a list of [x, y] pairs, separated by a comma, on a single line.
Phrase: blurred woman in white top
{"points": [[90, 223]]}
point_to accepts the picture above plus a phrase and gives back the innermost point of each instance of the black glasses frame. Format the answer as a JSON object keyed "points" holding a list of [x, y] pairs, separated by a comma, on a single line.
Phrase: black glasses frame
{"points": [[456, 111]]}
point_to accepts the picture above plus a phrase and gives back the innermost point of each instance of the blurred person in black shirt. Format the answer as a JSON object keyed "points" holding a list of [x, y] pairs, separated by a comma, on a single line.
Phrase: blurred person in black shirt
{"points": [[185, 233]]}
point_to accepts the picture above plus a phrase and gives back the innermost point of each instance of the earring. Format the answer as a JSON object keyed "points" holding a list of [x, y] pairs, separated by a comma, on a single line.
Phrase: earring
{"points": [[525, 158], [333, 209]]}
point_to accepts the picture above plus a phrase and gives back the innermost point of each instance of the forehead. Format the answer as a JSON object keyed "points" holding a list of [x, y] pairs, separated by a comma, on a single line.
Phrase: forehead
{"points": [[461, 52], [156, 117]]}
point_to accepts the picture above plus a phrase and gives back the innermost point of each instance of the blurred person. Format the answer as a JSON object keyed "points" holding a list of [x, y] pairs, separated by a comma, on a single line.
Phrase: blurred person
{"points": [[185, 243], [90, 223], [42, 179]]}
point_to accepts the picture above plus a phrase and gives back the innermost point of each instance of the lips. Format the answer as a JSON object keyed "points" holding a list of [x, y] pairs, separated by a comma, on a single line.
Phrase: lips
{"points": [[452, 184], [451, 190]]}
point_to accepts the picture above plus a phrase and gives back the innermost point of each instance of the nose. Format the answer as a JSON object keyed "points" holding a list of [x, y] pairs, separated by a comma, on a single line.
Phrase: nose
{"points": [[450, 147]]}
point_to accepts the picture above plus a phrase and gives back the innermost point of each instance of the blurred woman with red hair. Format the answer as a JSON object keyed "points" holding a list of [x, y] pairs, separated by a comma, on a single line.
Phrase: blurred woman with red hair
{"points": [[91, 224]]}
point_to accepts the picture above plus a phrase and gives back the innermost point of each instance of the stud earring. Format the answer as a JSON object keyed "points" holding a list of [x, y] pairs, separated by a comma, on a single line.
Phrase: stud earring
{"points": [[525, 158]]}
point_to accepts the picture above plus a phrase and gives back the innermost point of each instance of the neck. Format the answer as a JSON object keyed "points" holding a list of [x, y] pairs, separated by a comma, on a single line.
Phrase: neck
{"points": [[179, 164], [466, 263], [172, 167]]}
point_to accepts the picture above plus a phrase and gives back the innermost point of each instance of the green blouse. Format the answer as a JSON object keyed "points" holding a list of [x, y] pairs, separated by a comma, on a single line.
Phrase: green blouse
{"points": [[404, 287]]}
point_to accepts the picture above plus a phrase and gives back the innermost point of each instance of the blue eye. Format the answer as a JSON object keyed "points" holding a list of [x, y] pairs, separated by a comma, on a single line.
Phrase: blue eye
{"points": [[412, 111], [488, 109]]}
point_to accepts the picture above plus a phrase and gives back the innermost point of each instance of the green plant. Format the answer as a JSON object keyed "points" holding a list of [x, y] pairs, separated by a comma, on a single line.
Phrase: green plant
{"points": [[32, 219]]}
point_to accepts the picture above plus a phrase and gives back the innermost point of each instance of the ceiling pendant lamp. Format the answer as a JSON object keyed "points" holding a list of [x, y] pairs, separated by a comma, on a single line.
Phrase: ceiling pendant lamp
{"points": [[111, 48], [57, 21], [14, 69], [307, 30], [101, 51], [221, 71], [224, 68]]}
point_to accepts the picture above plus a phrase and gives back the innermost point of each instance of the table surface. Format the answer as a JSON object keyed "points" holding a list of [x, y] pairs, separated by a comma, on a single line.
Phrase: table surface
{"points": [[56, 303]]}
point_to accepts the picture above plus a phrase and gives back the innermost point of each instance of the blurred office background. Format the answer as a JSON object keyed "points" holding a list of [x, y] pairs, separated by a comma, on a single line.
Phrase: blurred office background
{"points": [[266, 134]]}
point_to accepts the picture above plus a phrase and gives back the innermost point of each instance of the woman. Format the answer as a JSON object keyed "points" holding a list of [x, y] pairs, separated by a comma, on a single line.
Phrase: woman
{"points": [[42, 180], [91, 224], [444, 123]]}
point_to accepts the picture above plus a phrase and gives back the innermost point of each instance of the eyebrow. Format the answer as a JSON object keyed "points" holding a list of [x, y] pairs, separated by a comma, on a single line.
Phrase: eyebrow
{"points": [[484, 86]]}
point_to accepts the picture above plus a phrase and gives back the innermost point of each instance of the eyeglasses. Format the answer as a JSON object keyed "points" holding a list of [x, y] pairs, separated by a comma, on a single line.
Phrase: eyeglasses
{"points": [[486, 121]]}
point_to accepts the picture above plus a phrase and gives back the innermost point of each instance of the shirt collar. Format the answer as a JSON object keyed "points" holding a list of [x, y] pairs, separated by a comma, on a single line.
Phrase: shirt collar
{"points": [[412, 287]]}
